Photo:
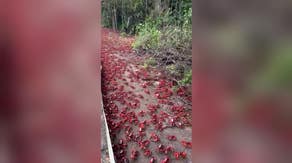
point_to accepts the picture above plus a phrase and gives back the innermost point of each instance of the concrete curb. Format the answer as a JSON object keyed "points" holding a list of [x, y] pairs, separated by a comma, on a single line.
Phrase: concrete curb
{"points": [[109, 143]]}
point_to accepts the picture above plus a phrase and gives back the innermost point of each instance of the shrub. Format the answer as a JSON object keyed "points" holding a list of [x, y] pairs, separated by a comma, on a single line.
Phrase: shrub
{"points": [[169, 39], [148, 35]]}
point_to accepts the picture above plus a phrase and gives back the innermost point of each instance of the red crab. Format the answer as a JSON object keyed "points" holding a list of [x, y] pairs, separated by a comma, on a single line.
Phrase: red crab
{"points": [[168, 149], [180, 92], [179, 155], [144, 85], [162, 101], [161, 148], [144, 144], [159, 126], [141, 113], [130, 136], [147, 153], [142, 134], [152, 108], [121, 88], [157, 95], [176, 155], [185, 121], [121, 142], [154, 119], [186, 144], [125, 160], [183, 154], [171, 137], [171, 122], [179, 125], [140, 96], [154, 137], [122, 152], [147, 91], [134, 154]]}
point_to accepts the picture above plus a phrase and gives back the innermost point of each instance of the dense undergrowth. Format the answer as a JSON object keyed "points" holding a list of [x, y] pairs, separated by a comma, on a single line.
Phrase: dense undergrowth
{"points": [[169, 44]]}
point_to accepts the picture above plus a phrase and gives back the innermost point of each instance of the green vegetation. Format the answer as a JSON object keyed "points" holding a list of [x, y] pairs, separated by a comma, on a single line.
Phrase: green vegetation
{"points": [[165, 31], [148, 36], [123, 34], [149, 62], [187, 78], [174, 88]]}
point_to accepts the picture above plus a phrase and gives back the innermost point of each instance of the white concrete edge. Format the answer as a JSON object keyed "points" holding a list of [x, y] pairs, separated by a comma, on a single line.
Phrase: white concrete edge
{"points": [[109, 143]]}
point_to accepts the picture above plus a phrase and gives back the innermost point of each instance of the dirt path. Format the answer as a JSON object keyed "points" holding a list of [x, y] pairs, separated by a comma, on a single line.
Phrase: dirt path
{"points": [[142, 110]]}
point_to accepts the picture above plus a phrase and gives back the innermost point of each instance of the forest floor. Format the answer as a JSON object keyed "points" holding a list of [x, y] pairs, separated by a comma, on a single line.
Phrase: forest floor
{"points": [[148, 119]]}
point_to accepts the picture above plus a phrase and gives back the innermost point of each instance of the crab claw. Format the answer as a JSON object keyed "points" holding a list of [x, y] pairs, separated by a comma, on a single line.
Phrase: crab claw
{"points": [[165, 160], [152, 160]]}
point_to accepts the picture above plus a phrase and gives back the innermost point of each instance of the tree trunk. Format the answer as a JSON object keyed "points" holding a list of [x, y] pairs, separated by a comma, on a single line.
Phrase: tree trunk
{"points": [[157, 7]]}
